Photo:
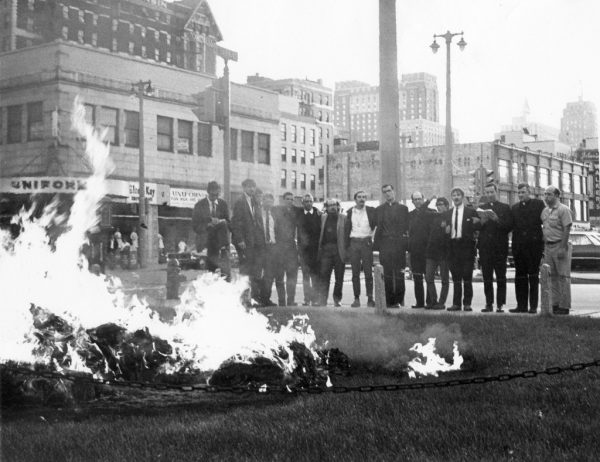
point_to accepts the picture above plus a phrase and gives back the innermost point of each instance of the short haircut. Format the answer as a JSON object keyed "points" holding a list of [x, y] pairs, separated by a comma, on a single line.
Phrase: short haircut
{"points": [[442, 200], [310, 196], [357, 193], [248, 182], [556, 190], [268, 196], [412, 196], [331, 201], [288, 193], [387, 186], [524, 185], [493, 185], [212, 186], [458, 190]]}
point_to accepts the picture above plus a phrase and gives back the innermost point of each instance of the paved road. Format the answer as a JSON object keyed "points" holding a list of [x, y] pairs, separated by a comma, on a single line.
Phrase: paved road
{"points": [[150, 282]]}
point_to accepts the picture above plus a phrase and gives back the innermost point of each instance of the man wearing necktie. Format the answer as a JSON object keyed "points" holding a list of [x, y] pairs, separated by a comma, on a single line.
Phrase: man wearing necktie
{"points": [[210, 222], [270, 257], [463, 224]]}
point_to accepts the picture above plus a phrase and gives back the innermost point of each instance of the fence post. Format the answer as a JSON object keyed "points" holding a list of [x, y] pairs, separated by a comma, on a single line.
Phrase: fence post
{"points": [[380, 303], [546, 299]]}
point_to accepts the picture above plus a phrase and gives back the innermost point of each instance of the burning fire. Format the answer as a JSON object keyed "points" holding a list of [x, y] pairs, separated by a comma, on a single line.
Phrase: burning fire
{"points": [[432, 363]]}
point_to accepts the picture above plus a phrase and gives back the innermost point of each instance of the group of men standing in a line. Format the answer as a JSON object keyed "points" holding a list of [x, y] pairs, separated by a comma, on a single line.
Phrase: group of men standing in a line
{"points": [[272, 241]]}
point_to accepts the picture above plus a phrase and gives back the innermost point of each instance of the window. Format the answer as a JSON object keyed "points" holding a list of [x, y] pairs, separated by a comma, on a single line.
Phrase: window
{"points": [[283, 129], [132, 129], [264, 148], [184, 137], [303, 157], [283, 155], [14, 124], [312, 183], [503, 171], [555, 178], [294, 182], [164, 132], [302, 135], [294, 159], [109, 119], [327, 133], [284, 179], [234, 143], [566, 182], [544, 180], [65, 32], [321, 132], [303, 181], [312, 136], [247, 146], [515, 172], [293, 133], [205, 140], [35, 121], [577, 184], [311, 157]]}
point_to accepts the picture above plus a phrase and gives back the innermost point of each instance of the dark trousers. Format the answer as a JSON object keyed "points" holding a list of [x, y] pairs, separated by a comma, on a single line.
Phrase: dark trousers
{"points": [[461, 262], [269, 270], [310, 274], [218, 260], [286, 267], [361, 256], [418, 267], [331, 261], [492, 262], [527, 257], [431, 264], [252, 264], [392, 256]]}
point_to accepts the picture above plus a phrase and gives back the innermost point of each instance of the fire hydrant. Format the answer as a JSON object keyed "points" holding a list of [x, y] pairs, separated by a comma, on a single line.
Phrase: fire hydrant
{"points": [[173, 279]]}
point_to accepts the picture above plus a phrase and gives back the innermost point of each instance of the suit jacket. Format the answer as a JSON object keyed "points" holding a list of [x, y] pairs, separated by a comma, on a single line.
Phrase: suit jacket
{"points": [[371, 216], [419, 225], [399, 224], [246, 227], [286, 223], [493, 236], [208, 236], [309, 229], [468, 227], [341, 235]]}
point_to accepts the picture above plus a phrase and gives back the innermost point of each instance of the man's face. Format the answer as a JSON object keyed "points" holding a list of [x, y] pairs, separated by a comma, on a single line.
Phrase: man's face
{"points": [[523, 194], [307, 203], [332, 208], [417, 200], [550, 197], [258, 197], [490, 193], [441, 207], [457, 198], [213, 194], [360, 200], [389, 194], [250, 189], [288, 200], [267, 202]]}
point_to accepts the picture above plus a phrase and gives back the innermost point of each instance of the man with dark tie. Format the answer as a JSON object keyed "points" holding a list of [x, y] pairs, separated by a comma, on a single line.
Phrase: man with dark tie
{"points": [[210, 222], [270, 259], [463, 224], [391, 241], [527, 249], [286, 251], [332, 251], [496, 223], [419, 224], [309, 227], [248, 236]]}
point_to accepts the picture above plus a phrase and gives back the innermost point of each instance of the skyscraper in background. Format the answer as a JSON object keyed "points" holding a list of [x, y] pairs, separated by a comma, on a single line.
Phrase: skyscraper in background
{"points": [[579, 121]]}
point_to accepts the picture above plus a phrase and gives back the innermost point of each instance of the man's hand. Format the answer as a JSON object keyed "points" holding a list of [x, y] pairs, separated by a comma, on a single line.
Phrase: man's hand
{"points": [[214, 221], [476, 220]]}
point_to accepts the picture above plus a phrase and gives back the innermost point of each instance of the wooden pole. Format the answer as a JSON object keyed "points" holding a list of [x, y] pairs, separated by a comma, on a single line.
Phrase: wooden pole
{"points": [[380, 303], [546, 296]]}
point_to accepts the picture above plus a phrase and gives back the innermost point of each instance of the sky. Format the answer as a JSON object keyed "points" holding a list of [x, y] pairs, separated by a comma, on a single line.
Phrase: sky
{"points": [[542, 51]]}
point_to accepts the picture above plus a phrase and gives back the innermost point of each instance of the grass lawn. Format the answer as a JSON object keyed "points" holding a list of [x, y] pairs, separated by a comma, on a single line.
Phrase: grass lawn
{"points": [[545, 418]]}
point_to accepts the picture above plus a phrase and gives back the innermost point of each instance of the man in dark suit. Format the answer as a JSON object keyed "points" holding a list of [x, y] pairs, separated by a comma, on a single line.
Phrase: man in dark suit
{"points": [[391, 241], [248, 236], [270, 261], [527, 248], [309, 228], [332, 251], [210, 221], [419, 224], [496, 223], [286, 251], [360, 223], [463, 224]]}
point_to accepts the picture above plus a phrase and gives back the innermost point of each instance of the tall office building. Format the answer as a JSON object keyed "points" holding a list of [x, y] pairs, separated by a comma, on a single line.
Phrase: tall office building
{"points": [[578, 122]]}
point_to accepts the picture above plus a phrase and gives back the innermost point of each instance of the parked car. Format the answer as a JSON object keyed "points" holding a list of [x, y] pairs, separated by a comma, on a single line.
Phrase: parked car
{"points": [[586, 249]]}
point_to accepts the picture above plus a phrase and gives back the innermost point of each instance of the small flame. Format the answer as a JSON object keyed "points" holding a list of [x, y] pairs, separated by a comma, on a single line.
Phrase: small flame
{"points": [[432, 363]]}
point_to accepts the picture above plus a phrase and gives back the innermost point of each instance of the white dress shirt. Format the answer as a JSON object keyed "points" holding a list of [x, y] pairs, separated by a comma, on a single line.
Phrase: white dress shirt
{"points": [[271, 226], [360, 223]]}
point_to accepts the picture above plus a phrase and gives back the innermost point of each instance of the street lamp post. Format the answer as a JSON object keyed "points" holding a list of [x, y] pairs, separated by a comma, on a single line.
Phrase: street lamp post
{"points": [[141, 89], [404, 139], [447, 184]]}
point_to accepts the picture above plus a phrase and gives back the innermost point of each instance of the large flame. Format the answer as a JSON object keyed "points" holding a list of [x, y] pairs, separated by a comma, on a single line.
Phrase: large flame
{"points": [[211, 325], [431, 363]]}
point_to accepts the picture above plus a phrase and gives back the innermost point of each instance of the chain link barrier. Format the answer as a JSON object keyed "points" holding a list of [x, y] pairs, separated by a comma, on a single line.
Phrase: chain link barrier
{"points": [[264, 389]]}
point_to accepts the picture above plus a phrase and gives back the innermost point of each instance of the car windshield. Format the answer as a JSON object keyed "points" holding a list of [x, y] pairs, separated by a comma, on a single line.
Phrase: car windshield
{"points": [[595, 238]]}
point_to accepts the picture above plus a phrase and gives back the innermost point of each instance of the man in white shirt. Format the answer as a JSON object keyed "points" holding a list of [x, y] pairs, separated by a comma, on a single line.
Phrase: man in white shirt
{"points": [[270, 260], [360, 224]]}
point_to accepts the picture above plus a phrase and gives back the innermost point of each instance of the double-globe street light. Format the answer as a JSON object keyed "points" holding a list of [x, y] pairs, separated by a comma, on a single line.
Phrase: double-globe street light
{"points": [[447, 177]]}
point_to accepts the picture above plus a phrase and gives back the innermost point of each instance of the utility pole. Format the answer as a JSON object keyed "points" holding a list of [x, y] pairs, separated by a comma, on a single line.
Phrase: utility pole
{"points": [[226, 134]]}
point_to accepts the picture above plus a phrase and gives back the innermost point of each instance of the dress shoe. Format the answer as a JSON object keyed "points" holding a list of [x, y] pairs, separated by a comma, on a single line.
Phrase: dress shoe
{"points": [[394, 306], [467, 308], [281, 304], [268, 303], [488, 309], [355, 303], [499, 309], [292, 304], [561, 311], [454, 308], [429, 307], [417, 306], [439, 306], [316, 304], [371, 303], [532, 311], [517, 310], [305, 303], [337, 304]]}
